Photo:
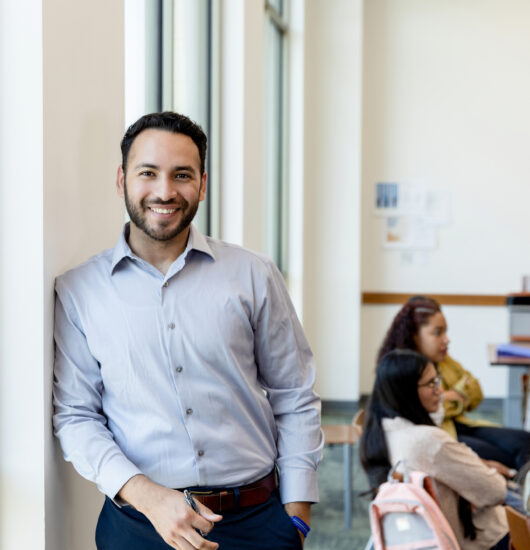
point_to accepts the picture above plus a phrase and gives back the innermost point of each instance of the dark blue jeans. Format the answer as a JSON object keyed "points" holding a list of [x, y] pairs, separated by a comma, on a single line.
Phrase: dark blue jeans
{"points": [[507, 445], [263, 527], [503, 544]]}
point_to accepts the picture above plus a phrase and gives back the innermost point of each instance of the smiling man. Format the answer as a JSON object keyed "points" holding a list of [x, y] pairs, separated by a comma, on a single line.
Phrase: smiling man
{"points": [[183, 381]]}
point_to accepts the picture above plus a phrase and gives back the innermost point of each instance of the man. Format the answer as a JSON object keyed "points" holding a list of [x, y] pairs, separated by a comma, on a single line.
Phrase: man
{"points": [[181, 365]]}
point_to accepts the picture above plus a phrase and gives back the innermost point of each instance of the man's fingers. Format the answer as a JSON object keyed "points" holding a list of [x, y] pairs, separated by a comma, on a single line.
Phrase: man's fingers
{"points": [[195, 541], [208, 514], [202, 524]]}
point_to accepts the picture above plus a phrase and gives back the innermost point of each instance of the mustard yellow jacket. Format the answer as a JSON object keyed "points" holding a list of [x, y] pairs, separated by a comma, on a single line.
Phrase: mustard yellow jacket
{"points": [[455, 377]]}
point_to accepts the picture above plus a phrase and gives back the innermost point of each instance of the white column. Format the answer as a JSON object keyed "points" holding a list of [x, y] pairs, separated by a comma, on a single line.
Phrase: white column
{"points": [[241, 136], [22, 427], [332, 191]]}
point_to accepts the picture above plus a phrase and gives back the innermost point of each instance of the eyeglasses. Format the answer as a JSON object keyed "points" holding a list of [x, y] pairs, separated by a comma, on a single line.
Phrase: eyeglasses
{"points": [[432, 384]]}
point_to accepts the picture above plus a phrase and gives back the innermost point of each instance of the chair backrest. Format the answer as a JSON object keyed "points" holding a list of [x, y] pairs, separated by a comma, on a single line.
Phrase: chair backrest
{"points": [[358, 420], [519, 529]]}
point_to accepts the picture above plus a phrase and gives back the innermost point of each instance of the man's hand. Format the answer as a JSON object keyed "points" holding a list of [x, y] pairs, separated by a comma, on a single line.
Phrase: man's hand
{"points": [[302, 510], [170, 514]]}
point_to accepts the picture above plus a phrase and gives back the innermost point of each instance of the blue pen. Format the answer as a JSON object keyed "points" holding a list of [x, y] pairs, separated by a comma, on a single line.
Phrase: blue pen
{"points": [[191, 502]]}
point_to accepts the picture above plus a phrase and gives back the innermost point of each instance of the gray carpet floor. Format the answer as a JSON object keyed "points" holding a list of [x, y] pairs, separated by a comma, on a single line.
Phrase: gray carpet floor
{"points": [[327, 517]]}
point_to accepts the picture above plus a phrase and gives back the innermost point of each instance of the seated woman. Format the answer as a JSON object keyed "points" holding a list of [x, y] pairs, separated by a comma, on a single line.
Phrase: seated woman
{"points": [[421, 326], [398, 427]]}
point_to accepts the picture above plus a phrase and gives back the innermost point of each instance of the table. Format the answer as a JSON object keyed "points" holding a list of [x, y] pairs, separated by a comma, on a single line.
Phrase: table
{"points": [[513, 404]]}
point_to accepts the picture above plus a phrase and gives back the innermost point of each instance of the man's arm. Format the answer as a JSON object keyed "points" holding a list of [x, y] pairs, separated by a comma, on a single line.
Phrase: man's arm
{"points": [[301, 510], [287, 372], [79, 421]]}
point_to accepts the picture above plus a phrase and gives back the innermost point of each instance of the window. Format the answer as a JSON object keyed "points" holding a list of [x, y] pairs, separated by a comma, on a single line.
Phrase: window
{"points": [[275, 131], [169, 55]]}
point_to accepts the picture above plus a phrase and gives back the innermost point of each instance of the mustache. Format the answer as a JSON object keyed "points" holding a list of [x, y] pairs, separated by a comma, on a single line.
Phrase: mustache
{"points": [[182, 203]]}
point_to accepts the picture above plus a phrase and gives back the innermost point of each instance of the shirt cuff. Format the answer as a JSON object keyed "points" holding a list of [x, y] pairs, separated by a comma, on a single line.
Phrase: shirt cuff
{"points": [[298, 485], [116, 474]]}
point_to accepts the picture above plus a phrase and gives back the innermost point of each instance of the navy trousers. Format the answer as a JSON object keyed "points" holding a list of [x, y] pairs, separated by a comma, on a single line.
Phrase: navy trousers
{"points": [[507, 445], [263, 527]]}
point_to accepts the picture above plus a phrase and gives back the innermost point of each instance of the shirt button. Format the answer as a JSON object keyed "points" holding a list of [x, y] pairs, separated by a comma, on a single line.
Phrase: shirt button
{"points": [[179, 369], [189, 411], [171, 326], [166, 284], [201, 453]]}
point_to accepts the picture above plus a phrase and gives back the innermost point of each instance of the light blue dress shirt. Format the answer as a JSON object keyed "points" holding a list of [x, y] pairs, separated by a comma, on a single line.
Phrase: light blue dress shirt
{"points": [[199, 377]]}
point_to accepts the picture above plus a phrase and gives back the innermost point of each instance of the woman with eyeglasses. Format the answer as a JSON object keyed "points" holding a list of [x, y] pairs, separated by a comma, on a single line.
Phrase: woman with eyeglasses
{"points": [[398, 427], [420, 325]]}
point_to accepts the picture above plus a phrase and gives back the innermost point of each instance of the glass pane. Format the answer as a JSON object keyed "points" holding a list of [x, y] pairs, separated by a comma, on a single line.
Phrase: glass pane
{"points": [[274, 143], [277, 5], [191, 70]]}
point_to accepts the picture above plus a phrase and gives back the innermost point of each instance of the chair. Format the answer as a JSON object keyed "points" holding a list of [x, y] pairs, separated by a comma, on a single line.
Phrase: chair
{"points": [[346, 435], [519, 529]]}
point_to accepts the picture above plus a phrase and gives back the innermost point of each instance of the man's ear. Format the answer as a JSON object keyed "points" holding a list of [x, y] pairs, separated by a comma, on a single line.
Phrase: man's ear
{"points": [[202, 192], [120, 182]]}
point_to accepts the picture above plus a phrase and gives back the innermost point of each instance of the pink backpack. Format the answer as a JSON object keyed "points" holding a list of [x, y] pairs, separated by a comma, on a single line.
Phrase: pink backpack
{"points": [[406, 516]]}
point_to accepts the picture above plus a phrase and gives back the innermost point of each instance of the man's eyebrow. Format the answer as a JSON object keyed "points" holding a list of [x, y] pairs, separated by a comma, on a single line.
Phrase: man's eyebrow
{"points": [[187, 168], [146, 165], [184, 168]]}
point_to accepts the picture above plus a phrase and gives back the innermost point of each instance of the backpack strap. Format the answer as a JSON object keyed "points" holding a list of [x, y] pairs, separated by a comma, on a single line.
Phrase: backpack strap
{"points": [[423, 480], [395, 477]]}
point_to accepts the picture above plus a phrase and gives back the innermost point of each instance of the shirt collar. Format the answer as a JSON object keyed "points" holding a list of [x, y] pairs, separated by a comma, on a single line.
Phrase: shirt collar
{"points": [[196, 241]]}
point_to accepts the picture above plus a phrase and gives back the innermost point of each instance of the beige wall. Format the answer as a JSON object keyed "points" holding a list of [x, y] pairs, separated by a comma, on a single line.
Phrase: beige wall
{"points": [[83, 124]]}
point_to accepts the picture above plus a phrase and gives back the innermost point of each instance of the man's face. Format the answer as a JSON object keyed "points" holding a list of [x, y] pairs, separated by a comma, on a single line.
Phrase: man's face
{"points": [[163, 184]]}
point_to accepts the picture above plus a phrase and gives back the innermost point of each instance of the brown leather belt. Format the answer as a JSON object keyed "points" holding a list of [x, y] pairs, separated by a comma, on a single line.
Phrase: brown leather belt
{"points": [[226, 500]]}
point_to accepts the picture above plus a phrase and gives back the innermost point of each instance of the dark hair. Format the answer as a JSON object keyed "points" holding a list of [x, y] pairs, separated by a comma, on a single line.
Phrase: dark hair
{"points": [[170, 122], [414, 314], [395, 393]]}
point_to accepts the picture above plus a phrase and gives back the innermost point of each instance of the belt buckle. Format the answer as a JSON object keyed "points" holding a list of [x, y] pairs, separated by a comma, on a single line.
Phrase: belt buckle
{"points": [[201, 493]]}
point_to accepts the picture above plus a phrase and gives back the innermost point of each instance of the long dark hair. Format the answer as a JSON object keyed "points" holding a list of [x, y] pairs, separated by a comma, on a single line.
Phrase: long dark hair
{"points": [[406, 324], [395, 393]]}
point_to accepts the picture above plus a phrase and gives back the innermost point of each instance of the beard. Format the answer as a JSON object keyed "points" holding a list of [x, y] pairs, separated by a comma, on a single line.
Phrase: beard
{"points": [[161, 231]]}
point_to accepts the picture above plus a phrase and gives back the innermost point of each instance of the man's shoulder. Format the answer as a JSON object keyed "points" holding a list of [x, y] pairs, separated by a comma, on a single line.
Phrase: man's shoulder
{"points": [[224, 250], [97, 265]]}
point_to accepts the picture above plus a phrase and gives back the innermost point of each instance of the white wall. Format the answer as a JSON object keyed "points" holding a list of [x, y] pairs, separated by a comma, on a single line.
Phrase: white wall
{"points": [[470, 330], [61, 106], [446, 89], [21, 285], [332, 193]]}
